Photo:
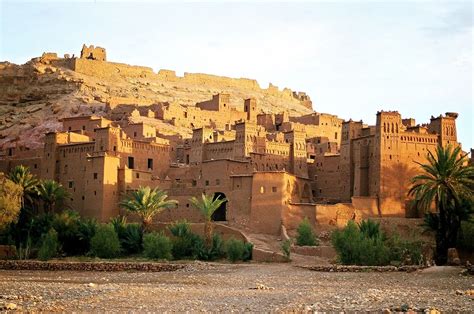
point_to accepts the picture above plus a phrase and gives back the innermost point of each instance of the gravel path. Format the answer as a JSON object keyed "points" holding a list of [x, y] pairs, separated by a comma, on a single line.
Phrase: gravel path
{"points": [[227, 288]]}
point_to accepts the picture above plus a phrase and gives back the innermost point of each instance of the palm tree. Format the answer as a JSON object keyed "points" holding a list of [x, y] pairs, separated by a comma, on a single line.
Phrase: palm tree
{"points": [[207, 205], [447, 182], [146, 203], [51, 193], [21, 176]]}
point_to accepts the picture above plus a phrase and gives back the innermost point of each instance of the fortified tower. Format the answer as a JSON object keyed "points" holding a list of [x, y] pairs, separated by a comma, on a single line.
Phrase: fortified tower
{"points": [[445, 127], [245, 139], [250, 107], [386, 161], [200, 137], [350, 130], [93, 53], [298, 164]]}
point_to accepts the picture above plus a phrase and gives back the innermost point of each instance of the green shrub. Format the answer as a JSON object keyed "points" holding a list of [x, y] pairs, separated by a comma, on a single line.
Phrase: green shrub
{"points": [[235, 249], [105, 243], [119, 223], [370, 228], [404, 251], [286, 248], [185, 243], [355, 247], [132, 239], [74, 232], [306, 234], [217, 250], [248, 248], [466, 236], [157, 246], [130, 235], [49, 246]]}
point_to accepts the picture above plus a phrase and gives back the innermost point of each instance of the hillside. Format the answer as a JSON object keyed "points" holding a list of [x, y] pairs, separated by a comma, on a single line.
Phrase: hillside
{"points": [[36, 95]]}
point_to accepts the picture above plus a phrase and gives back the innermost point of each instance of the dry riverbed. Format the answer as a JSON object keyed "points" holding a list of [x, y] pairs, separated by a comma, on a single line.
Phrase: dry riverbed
{"points": [[241, 287]]}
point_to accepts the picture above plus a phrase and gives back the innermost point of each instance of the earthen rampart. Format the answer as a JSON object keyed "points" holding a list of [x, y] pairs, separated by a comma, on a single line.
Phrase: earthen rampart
{"points": [[108, 70]]}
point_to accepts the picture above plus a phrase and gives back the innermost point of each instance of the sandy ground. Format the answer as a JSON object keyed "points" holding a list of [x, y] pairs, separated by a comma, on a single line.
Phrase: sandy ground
{"points": [[231, 287]]}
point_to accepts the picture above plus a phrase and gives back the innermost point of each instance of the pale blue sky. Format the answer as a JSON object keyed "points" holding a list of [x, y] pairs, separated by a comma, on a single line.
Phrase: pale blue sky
{"points": [[352, 58]]}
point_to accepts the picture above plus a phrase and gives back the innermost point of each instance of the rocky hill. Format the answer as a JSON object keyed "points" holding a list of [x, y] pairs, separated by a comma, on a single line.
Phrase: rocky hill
{"points": [[36, 95]]}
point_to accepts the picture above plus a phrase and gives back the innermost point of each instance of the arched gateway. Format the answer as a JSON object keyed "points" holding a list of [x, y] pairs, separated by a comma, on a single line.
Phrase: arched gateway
{"points": [[220, 213]]}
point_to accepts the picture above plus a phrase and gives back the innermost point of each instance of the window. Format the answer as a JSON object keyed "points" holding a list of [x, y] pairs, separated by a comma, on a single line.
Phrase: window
{"points": [[95, 176], [36, 166], [83, 127], [218, 182], [150, 163], [207, 182], [137, 175], [134, 134], [335, 135], [71, 184], [262, 189], [131, 163], [274, 189], [194, 183], [115, 148]]}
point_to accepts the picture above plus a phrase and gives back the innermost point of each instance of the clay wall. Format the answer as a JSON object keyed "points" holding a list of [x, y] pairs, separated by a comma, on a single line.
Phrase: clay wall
{"points": [[325, 171], [84, 123], [219, 102], [145, 154], [295, 214], [109, 70], [140, 131], [218, 150], [219, 81], [336, 215], [267, 203], [101, 191], [71, 170]]}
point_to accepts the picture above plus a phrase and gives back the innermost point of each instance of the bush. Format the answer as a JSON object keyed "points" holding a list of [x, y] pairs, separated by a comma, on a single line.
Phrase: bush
{"points": [[210, 254], [132, 239], [235, 249], [130, 235], [403, 251], [286, 248], [50, 246], [466, 236], [74, 232], [370, 228], [306, 234], [185, 243], [355, 247], [248, 248], [105, 243], [157, 246]]}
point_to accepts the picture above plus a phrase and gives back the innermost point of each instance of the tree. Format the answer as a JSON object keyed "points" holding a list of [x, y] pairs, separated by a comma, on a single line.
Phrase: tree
{"points": [[51, 193], [11, 195], [447, 182], [21, 175], [146, 203], [207, 205]]}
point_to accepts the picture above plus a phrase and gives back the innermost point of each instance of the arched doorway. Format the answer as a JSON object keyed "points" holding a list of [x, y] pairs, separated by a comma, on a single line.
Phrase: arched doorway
{"points": [[220, 213]]}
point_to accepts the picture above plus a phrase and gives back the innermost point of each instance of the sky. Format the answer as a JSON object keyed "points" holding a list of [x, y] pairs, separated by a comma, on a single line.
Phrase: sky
{"points": [[352, 57]]}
